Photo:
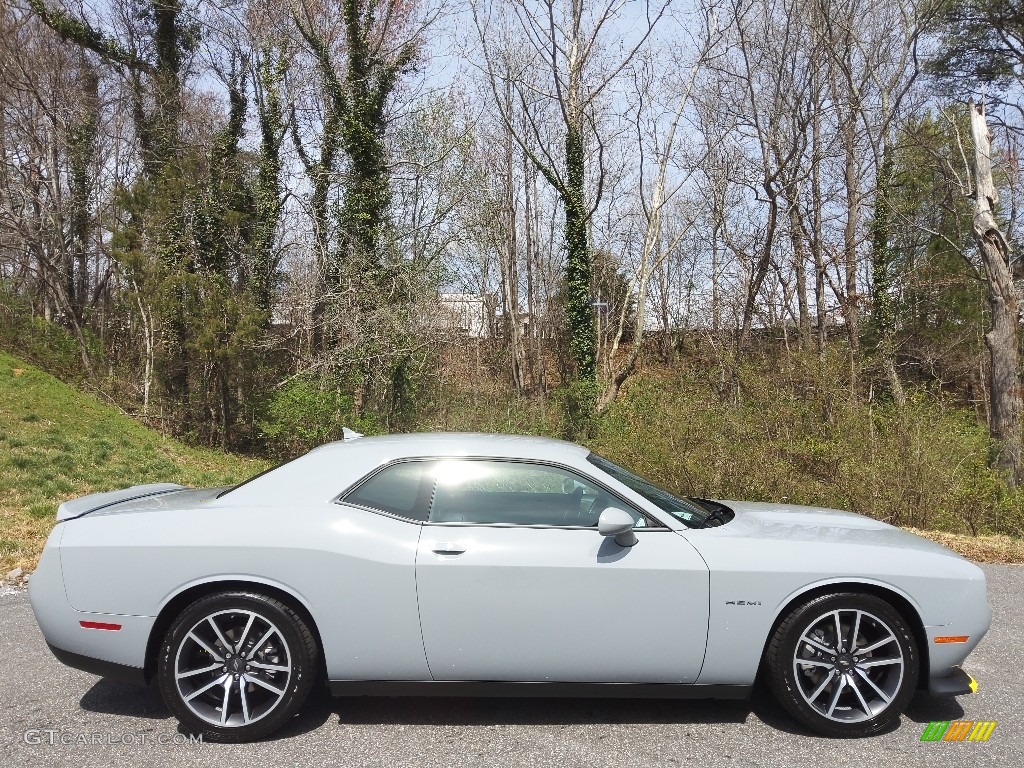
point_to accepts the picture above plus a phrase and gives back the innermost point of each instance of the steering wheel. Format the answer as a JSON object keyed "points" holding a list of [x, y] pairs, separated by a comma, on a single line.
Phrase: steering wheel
{"points": [[572, 509], [601, 502]]}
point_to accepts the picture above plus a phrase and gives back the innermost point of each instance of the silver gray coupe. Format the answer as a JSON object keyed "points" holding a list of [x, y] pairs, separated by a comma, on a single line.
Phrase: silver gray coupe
{"points": [[480, 565]]}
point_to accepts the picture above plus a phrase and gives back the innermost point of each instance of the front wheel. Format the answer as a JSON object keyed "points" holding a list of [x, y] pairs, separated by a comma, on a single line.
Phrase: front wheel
{"points": [[234, 666], [844, 664]]}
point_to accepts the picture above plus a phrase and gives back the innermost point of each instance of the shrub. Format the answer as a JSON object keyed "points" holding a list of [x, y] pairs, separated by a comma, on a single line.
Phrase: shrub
{"points": [[924, 465], [304, 413]]}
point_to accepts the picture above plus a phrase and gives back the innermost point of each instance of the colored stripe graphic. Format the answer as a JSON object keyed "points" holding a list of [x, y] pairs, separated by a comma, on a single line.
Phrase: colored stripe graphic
{"points": [[982, 730], [958, 730]]}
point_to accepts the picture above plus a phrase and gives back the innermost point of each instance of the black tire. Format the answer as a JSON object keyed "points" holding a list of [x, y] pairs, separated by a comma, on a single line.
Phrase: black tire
{"points": [[799, 664], [264, 673]]}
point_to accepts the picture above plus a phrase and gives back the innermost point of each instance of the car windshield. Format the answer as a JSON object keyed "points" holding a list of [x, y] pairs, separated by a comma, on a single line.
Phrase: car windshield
{"points": [[682, 509]]}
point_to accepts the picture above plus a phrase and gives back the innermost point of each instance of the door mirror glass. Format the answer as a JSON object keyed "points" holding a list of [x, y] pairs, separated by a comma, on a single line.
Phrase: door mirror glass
{"points": [[618, 523]]}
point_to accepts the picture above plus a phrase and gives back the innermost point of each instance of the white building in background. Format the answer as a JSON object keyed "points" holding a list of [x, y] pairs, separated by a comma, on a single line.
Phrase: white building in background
{"points": [[466, 313]]}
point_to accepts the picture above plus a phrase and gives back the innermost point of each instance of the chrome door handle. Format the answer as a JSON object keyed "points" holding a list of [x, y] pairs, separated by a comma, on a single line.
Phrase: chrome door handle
{"points": [[448, 549]]}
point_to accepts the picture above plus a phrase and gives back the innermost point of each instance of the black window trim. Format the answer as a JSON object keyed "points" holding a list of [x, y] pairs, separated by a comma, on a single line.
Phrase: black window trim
{"points": [[653, 524], [340, 498]]}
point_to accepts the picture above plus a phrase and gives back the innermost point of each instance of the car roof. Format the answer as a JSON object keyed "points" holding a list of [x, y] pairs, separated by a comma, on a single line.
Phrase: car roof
{"points": [[326, 471], [461, 444]]}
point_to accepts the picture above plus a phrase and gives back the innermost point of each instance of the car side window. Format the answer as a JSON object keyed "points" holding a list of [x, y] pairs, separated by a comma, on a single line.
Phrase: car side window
{"points": [[401, 489], [517, 493]]}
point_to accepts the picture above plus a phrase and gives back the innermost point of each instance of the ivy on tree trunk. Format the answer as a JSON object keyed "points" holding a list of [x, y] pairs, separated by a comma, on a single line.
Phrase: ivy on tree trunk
{"points": [[579, 312]]}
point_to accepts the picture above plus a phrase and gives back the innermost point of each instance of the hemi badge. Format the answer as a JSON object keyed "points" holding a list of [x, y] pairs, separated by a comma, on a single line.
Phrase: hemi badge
{"points": [[99, 625], [952, 639]]}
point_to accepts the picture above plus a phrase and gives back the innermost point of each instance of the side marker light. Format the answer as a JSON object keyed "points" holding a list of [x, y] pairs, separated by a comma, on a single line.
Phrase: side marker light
{"points": [[99, 625]]}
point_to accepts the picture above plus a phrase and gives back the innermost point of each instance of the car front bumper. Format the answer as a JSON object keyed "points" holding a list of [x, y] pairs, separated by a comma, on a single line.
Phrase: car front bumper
{"points": [[954, 682]]}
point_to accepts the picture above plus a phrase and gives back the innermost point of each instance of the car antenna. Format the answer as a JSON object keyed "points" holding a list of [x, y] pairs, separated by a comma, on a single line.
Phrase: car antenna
{"points": [[350, 434]]}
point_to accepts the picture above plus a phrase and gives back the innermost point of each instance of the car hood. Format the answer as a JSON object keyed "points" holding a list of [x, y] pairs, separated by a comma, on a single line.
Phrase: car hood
{"points": [[793, 522]]}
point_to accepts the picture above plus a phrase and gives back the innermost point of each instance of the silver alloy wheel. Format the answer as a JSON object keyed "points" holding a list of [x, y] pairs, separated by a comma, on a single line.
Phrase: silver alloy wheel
{"points": [[233, 668], [848, 665]]}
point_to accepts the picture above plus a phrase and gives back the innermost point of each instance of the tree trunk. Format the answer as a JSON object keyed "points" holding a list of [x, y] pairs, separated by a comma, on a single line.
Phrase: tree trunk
{"points": [[81, 154], [764, 263], [268, 82], [850, 305], [532, 359], [817, 236], [800, 266], [579, 312], [883, 311], [510, 280], [1002, 338]]}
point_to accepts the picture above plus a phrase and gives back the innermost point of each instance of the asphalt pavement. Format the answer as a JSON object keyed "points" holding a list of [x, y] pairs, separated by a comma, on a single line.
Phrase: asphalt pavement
{"points": [[51, 715]]}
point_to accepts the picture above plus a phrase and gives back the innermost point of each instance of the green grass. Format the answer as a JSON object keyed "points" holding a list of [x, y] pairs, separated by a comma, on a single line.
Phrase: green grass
{"points": [[57, 443]]}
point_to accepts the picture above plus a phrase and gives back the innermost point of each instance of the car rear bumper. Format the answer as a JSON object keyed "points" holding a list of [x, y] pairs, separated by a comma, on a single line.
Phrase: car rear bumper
{"points": [[91, 641], [107, 669]]}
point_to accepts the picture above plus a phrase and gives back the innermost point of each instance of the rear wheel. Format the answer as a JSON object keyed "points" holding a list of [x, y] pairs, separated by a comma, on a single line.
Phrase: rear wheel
{"points": [[844, 664], [234, 666]]}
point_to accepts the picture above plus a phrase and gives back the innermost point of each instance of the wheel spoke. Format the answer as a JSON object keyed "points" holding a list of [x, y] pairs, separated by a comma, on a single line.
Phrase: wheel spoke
{"points": [[245, 632], [876, 645], [264, 684], [881, 694], [820, 646], [262, 641], [245, 702], [268, 667], [856, 630], [193, 672], [839, 632], [878, 662], [219, 681], [815, 663], [822, 687], [224, 704], [836, 695], [216, 630], [860, 696], [202, 644]]}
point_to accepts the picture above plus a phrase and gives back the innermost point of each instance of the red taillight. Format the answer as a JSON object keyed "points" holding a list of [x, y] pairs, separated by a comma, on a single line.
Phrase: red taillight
{"points": [[99, 625]]}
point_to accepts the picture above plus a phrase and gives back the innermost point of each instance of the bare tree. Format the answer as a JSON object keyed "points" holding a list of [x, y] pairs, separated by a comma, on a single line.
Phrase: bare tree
{"points": [[1002, 338], [663, 190], [551, 56], [50, 101]]}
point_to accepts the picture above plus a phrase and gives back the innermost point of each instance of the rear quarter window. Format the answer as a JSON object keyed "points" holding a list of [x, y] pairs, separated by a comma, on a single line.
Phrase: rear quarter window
{"points": [[400, 489]]}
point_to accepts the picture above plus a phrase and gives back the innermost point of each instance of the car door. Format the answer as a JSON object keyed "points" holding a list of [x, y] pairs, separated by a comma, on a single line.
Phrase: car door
{"points": [[516, 584]]}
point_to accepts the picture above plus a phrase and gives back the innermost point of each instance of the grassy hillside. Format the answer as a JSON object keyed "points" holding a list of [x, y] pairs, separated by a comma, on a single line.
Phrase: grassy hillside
{"points": [[57, 443]]}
